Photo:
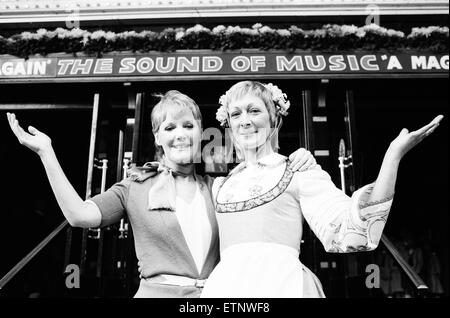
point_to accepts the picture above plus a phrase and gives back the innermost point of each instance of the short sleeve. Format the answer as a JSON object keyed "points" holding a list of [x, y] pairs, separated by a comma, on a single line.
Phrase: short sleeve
{"points": [[112, 202]]}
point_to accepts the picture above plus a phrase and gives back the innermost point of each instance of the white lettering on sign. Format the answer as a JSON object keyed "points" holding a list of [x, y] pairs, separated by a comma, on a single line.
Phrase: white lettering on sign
{"points": [[429, 63], [145, 65], [366, 63], [64, 66], [394, 63], [227, 63], [212, 63], [283, 64], [240, 63], [127, 65], [244, 63], [24, 68], [353, 63], [444, 62], [315, 67], [168, 67], [337, 63], [104, 66], [192, 65], [179, 64], [78, 66], [257, 62], [418, 62], [86, 67]]}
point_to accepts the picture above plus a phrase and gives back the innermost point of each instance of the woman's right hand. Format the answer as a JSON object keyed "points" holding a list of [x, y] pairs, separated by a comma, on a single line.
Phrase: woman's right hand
{"points": [[35, 140]]}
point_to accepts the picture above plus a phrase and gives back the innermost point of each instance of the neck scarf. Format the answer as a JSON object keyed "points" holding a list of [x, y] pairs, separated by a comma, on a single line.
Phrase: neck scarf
{"points": [[162, 195]]}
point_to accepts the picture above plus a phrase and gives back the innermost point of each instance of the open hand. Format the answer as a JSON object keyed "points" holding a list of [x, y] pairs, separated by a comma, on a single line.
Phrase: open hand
{"points": [[406, 140], [302, 160], [34, 140]]}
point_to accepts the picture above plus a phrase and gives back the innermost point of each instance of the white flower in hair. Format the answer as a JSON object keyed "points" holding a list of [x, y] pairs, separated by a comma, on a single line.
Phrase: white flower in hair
{"points": [[279, 99], [221, 114]]}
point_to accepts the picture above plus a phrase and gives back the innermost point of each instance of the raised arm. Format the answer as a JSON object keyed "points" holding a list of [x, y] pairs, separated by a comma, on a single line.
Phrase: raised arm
{"points": [[345, 224], [385, 183], [77, 212]]}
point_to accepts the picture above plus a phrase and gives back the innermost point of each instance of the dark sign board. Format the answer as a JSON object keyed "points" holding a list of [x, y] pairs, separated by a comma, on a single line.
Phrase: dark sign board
{"points": [[218, 63]]}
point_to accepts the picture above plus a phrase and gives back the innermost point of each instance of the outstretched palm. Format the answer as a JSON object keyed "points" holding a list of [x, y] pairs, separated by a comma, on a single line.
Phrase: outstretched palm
{"points": [[34, 140], [406, 140]]}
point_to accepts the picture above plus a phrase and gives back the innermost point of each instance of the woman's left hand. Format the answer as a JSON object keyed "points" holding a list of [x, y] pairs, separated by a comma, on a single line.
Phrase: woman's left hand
{"points": [[302, 160], [406, 140]]}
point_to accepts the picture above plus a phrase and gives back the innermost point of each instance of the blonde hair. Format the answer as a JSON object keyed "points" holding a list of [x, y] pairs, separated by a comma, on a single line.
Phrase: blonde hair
{"points": [[171, 102], [256, 89], [253, 88]]}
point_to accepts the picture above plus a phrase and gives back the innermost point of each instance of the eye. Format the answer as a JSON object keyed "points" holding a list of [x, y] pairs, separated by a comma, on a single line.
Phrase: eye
{"points": [[234, 114], [254, 110], [188, 125], [169, 128]]}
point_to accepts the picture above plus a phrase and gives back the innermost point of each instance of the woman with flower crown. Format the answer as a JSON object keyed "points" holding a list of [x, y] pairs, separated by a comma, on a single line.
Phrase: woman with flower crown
{"points": [[168, 204], [261, 205]]}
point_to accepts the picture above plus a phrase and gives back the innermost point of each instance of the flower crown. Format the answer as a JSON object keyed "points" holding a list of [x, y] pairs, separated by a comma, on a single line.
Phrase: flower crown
{"points": [[279, 99]]}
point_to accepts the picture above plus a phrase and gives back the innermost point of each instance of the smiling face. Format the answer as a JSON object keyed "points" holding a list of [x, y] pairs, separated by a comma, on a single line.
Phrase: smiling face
{"points": [[180, 136], [249, 122]]}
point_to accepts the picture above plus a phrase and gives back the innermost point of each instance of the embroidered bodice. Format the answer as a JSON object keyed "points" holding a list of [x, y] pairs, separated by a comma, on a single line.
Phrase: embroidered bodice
{"points": [[267, 202]]}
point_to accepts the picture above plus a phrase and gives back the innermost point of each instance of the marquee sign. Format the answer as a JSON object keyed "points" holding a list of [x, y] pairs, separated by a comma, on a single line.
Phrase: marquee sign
{"points": [[226, 63]]}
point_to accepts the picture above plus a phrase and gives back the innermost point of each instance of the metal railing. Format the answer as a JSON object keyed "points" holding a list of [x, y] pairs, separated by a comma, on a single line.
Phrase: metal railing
{"points": [[420, 287], [27, 259]]}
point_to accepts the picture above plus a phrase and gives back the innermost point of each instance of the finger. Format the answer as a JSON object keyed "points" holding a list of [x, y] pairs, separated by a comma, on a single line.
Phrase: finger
{"points": [[430, 131], [296, 167], [404, 131], [301, 164], [17, 133], [307, 164], [33, 130], [22, 133], [438, 118], [434, 122], [294, 157], [13, 123], [311, 162], [10, 119], [303, 160], [426, 133], [8, 115]]}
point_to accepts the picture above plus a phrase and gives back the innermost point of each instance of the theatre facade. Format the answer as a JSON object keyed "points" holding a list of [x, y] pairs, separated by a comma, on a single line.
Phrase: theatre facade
{"points": [[86, 74]]}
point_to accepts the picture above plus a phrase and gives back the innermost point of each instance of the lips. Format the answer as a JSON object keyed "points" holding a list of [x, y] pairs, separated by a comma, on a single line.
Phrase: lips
{"points": [[181, 147], [248, 133]]}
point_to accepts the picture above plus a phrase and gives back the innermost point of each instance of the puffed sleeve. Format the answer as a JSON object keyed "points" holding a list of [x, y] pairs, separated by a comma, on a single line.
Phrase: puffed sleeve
{"points": [[341, 223], [112, 202]]}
